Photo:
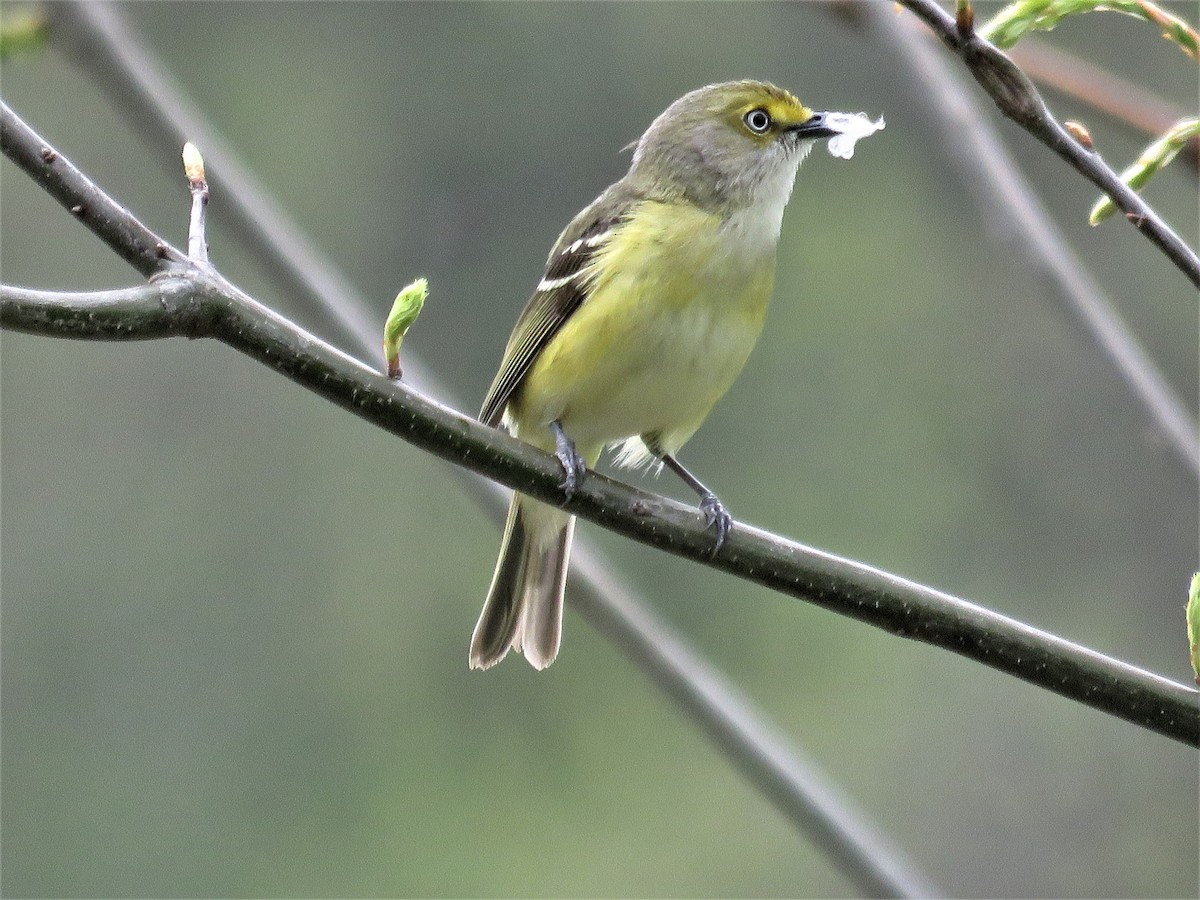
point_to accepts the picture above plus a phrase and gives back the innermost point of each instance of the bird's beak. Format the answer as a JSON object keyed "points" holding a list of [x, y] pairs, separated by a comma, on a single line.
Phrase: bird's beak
{"points": [[814, 127]]}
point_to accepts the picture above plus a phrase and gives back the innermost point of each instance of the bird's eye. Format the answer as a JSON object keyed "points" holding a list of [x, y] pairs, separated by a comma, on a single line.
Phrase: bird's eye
{"points": [[758, 121]]}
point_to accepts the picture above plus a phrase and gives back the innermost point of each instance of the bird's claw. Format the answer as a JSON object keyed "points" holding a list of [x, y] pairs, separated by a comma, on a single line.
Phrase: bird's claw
{"points": [[717, 518], [573, 469], [572, 463]]}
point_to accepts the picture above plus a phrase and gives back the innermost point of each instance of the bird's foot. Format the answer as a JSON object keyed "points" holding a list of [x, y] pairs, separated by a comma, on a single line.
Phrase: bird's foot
{"points": [[572, 463], [717, 517]]}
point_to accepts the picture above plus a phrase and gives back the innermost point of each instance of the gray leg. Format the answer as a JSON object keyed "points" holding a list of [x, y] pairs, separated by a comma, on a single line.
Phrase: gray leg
{"points": [[715, 514], [572, 463]]}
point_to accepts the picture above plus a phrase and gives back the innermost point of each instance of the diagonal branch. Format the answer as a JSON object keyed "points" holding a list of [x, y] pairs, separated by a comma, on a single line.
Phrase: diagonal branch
{"points": [[796, 787], [1101, 89], [215, 308], [732, 721], [991, 170], [688, 682], [204, 304], [108, 220], [1018, 99], [96, 37]]}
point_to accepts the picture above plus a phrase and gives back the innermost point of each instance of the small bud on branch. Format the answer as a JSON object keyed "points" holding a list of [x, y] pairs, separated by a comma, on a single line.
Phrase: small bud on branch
{"points": [[1080, 133]]}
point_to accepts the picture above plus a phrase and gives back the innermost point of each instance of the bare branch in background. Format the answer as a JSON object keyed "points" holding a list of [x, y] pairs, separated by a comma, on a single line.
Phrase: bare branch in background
{"points": [[107, 47], [990, 170], [1102, 90], [215, 308], [1018, 99], [727, 717]]}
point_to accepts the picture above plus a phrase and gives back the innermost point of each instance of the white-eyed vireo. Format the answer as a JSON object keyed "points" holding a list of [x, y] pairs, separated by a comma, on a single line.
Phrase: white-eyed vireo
{"points": [[652, 300]]}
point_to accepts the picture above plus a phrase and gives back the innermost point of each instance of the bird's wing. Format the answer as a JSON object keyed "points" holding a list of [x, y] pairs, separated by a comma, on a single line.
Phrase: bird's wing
{"points": [[563, 288]]}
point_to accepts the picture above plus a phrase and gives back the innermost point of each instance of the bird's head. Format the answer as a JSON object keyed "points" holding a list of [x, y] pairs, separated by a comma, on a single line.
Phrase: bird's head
{"points": [[729, 145]]}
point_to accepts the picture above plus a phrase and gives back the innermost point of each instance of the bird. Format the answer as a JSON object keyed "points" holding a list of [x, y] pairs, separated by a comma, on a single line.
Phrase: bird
{"points": [[651, 301]]}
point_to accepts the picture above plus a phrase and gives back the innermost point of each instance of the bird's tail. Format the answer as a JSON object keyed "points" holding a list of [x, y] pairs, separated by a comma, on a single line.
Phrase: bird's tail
{"points": [[524, 605]]}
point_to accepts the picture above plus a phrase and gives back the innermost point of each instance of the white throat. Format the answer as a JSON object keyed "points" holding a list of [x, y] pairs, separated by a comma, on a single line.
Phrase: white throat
{"points": [[758, 223]]}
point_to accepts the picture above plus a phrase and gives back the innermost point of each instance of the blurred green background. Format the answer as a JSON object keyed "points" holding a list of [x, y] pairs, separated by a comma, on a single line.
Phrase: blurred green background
{"points": [[235, 618]]}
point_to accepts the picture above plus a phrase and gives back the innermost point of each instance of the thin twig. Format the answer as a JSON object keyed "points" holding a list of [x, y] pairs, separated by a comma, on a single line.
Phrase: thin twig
{"points": [[128, 314], [98, 38], [132, 75], [108, 220], [193, 167], [1101, 89], [988, 167], [1018, 99], [1017, 19]]}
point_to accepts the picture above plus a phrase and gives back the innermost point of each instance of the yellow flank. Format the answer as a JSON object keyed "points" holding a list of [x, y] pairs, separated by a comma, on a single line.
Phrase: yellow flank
{"points": [[664, 332]]}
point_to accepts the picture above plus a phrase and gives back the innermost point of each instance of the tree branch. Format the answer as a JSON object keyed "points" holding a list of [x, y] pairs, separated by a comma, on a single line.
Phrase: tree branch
{"points": [[122, 66], [990, 170], [205, 304], [37, 311], [184, 306], [1018, 99], [108, 220], [98, 38], [138, 313], [1102, 90]]}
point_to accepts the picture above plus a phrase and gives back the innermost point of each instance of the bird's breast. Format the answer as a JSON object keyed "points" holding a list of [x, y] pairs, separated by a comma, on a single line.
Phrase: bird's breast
{"points": [[673, 313]]}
